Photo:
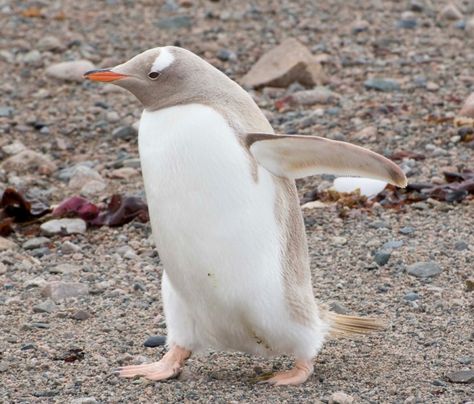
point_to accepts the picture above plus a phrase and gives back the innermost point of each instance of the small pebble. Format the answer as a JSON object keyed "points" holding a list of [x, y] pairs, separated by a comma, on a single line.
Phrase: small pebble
{"points": [[461, 376], [154, 341], [381, 84], [411, 296], [407, 230], [48, 306], [340, 397], [80, 315], [381, 257]]}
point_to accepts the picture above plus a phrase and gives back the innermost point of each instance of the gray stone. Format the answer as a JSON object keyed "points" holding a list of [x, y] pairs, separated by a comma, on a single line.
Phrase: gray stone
{"points": [[226, 55], [125, 133], [424, 269], [63, 226], [382, 84], [465, 360], [392, 244], [461, 376], [176, 22], [70, 71], [33, 57], [59, 290], [80, 315], [92, 188], [132, 163], [6, 112], [461, 245], [154, 341], [338, 308], [65, 269], [48, 306], [50, 43], [381, 257], [411, 296], [81, 175], [36, 242], [407, 230], [69, 248]]}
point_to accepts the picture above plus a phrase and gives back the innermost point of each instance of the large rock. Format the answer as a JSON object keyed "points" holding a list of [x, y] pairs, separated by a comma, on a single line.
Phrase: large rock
{"points": [[82, 175], [70, 71], [450, 13], [461, 376], [63, 226], [424, 269], [6, 244], [467, 109], [289, 62], [59, 290], [29, 161]]}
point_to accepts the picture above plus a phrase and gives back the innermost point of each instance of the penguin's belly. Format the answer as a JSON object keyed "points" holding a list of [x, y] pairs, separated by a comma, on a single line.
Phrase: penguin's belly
{"points": [[214, 226]]}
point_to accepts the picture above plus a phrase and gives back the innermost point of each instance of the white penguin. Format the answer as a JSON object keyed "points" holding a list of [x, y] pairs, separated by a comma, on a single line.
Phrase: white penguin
{"points": [[225, 215]]}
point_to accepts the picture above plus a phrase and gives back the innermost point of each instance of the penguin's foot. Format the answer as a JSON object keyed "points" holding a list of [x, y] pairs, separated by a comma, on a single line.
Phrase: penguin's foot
{"points": [[299, 374], [168, 367]]}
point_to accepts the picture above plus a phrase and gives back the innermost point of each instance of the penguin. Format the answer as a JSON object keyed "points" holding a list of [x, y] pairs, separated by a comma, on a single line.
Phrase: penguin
{"points": [[225, 215]]}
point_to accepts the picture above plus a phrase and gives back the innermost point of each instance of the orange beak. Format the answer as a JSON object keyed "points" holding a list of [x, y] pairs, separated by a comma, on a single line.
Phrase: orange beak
{"points": [[105, 75]]}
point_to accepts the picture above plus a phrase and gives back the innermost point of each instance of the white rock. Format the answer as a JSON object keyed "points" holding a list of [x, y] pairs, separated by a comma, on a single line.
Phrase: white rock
{"points": [[6, 244], [339, 240], [314, 205], [33, 57], [367, 186], [65, 269], [70, 71], [63, 226], [340, 398], [35, 283], [84, 400], [82, 175], [49, 43], [124, 173], [13, 148], [28, 161], [93, 187], [59, 290], [450, 12]]}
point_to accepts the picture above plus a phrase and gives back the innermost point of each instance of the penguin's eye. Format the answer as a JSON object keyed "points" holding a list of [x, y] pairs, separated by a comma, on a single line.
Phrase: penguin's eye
{"points": [[153, 75]]}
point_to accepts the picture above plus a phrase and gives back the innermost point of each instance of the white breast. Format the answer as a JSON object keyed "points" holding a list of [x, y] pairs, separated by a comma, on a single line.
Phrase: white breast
{"points": [[213, 224]]}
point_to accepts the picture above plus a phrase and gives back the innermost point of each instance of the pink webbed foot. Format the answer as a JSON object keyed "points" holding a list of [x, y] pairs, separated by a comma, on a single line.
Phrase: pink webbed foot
{"points": [[299, 374], [168, 367]]}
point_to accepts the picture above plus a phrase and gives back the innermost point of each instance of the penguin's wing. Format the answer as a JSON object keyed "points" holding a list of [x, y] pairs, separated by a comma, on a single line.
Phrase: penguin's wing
{"points": [[293, 156]]}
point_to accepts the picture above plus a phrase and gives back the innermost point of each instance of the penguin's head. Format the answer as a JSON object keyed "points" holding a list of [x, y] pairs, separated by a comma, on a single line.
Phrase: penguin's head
{"points": [[159, 77]]}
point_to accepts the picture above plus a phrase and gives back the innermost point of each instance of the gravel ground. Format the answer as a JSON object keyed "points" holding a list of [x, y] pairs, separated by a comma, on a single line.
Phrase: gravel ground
{"points": [[65, 351]]}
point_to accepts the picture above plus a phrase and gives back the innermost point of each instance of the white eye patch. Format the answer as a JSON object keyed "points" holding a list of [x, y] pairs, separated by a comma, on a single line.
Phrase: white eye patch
{"points": [[164, 59]]}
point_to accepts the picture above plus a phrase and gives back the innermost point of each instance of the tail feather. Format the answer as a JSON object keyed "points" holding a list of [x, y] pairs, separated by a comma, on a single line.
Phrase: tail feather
{"points": [[343, 326]]}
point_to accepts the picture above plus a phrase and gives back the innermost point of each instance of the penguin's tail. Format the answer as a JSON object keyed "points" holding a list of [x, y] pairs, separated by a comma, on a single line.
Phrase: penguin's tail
{"points": [[345, 326]]}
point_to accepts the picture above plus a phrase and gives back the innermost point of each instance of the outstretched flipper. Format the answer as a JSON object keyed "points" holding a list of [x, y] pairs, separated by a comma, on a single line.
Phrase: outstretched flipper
{"points": [[294, 157]]}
